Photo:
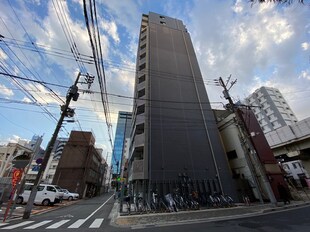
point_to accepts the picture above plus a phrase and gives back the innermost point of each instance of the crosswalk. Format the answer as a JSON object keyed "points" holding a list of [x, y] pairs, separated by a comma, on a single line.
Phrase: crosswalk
{"points": [[50, 224]]}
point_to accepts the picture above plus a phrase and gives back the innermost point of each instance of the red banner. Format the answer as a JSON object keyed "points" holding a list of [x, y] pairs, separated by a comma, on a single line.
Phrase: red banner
{"points": [[17, 174]]}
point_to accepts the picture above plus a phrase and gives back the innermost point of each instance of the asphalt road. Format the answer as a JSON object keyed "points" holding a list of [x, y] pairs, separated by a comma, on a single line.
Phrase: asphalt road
{"points": [[86, 214], [93, 215]]}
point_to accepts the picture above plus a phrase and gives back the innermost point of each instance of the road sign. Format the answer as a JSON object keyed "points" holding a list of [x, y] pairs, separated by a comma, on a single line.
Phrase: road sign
{"points": [[35, 168], [39, 161]]}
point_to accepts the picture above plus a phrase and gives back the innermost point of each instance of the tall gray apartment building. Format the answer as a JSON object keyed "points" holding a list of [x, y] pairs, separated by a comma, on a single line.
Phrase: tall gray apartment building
{"points": [[270, 108], [174, 140]]}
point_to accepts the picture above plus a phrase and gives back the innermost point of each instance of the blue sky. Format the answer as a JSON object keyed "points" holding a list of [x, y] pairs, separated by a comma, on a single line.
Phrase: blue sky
{"points": [[263, 44]]}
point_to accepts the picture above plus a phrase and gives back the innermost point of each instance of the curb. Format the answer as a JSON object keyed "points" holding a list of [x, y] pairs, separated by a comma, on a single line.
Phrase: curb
{"points": [[285, 207]]}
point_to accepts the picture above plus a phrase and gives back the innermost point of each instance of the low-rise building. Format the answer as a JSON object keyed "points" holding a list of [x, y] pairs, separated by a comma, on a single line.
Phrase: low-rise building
{"points": [[79, 167], [251, 160]]}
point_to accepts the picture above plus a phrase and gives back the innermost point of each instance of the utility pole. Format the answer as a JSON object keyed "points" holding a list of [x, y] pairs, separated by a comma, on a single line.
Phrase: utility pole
{"points": [[66, 112], [246, 141]]}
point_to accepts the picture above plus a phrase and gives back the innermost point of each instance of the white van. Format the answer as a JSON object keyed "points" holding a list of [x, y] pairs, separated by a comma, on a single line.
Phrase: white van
{"points": [[47, 194]]}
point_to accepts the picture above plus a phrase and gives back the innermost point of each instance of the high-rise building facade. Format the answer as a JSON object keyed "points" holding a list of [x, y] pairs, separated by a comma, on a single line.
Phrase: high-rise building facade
{"points": [[122, 132], [270, 108], [174, 135]]}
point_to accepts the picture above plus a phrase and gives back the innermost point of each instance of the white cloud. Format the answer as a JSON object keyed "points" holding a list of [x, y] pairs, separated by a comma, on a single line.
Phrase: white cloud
{"points": [[37, 2], [279, 29], [6, 91], [26, 99], [126, 14], [305, 74], [305, 46], [14, 139], [238, 7], [111, 28], [3, 56], [248, 41]]}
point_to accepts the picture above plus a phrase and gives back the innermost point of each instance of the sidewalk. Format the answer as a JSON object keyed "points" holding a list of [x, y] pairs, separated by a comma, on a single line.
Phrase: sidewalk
{"points": [[158, 219], [37, 209]]}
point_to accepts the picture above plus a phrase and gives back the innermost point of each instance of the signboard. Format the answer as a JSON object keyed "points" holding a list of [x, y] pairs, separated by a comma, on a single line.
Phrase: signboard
{"points": [[35, 168], [17, 174]]}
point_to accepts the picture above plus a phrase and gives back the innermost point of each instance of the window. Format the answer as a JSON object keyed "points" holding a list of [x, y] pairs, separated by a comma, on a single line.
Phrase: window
{"points": [[295, 165], [50, 189], [141, 79], [139, 129], [40, 188], [162, 22], [28, 187], [286, 167], [142, 56], [141, 67], [143, 38], [140, 109], [232, 155], [143, 46], [162, 17], [141, 93]]}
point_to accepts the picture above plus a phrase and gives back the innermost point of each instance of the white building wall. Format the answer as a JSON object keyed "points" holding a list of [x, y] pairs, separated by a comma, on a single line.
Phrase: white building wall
{"points": [[287, 134], [270, 108]]}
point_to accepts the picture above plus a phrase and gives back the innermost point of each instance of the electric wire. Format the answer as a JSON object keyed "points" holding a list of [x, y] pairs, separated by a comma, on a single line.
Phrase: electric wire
{"points": [[97, 54], [124, 67], [63, 20]]}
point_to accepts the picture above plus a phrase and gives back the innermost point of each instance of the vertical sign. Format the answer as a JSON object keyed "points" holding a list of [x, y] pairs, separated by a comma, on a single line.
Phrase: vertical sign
{"points": [[17, 174]]}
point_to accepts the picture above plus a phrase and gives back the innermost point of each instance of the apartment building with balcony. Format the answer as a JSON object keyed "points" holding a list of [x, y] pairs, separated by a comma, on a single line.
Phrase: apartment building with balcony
{"points": [[270, 108], [174, 133]]}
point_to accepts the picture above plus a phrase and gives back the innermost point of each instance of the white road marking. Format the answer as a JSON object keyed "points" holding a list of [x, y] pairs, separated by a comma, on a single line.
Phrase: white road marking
{"points": [[17, 225], [96, 223], [98, 208], [38, 224], [3, 223], [78, 223], [57, 225]]}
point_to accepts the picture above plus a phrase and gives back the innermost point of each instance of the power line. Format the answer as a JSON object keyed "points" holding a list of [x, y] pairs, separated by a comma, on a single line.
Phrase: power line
{"points": [[114, 95], [122, 66], [63, 20], [94, 37]]}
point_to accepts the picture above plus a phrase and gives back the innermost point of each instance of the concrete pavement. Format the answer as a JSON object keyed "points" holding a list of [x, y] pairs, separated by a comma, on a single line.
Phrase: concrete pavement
{"points": [[203, 215], [301, 198]]}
